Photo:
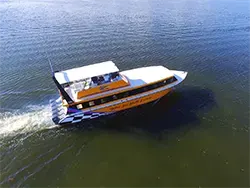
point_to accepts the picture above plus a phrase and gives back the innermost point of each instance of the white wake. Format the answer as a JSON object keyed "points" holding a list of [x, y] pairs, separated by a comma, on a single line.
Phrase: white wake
{"points": [[33, 118]]}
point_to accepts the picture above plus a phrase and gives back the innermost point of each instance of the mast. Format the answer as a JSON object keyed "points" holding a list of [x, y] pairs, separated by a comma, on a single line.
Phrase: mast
{"points": [[58, 85]]}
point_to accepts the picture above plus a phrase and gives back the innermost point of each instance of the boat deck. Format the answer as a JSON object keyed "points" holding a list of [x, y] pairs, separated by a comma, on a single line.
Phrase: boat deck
{"points": [[146, 75], [136, 78]]}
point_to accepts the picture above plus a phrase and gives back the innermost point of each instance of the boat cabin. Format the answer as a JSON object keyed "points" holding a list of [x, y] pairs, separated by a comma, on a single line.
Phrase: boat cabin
{"points": [[92, 79]]}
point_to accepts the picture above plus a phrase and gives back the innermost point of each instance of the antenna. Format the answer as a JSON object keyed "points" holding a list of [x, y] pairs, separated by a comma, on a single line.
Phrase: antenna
{"points": [[51, 68]]}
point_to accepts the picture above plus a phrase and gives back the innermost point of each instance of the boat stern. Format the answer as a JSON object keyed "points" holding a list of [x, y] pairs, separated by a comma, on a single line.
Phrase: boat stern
{"points": [[65, 116], [58, 110]]}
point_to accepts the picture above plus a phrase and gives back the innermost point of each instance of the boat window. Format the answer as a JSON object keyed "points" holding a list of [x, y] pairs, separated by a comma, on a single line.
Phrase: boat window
{"points": [[162, 84], [140, 90], [146, 88], [104, 100], [91, 103], [120, 95], [85, 105], [101, 80], [167, 81], [97, 101], [79, 106], [114, 97], [114, 76], [107, 78], [156, 85], [133, 92], [94, 79], [170, 80], [126, 94], [150, 87]]}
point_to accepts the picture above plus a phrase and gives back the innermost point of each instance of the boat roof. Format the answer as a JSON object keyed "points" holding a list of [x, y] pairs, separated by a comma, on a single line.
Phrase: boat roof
{"points": [[146, 75], [84, 72]]}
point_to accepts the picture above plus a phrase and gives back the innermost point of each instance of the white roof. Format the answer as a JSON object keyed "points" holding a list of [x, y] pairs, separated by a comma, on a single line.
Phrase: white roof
{"points": [[86, 72], [146, 75]]}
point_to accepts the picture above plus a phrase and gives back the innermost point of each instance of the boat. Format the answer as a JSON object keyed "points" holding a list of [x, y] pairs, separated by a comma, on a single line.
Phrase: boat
{"points": [[101, 89]]}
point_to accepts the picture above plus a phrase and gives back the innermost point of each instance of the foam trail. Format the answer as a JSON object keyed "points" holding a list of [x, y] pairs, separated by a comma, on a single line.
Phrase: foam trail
{"points": [[33, 119]]}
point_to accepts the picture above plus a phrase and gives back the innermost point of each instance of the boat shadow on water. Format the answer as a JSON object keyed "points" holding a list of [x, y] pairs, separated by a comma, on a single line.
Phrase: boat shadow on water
{"points": [[181, 109]]}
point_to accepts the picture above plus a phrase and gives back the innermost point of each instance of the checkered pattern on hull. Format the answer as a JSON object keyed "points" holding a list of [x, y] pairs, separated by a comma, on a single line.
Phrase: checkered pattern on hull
{"points": [[79, 117], [58, 111], [60, 116]]}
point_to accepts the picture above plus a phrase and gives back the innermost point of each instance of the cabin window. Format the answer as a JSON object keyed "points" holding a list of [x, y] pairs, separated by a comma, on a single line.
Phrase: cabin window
{"points": [[162, 84], [150, 87], [85, 105], [79, 106], [133, 92], [125, 94], [154, 86], [114, 76], [91, 103], [104, 100], [115, 97], [120, 95], [140, 90], [97, 101], [170, 80], [100, 80], [94, 80], [146, 88]]}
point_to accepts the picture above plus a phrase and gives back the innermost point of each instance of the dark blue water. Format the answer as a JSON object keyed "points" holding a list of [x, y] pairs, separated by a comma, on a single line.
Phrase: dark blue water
{"points": [[196, 136]]}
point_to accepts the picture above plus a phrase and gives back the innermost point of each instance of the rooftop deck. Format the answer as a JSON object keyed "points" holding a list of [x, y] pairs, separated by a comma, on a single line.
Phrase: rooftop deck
{"points": [[85, 72]]}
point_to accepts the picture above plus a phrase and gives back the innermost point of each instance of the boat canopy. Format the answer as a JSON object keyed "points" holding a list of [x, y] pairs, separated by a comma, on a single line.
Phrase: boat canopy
{"points": [[85, 72]]}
